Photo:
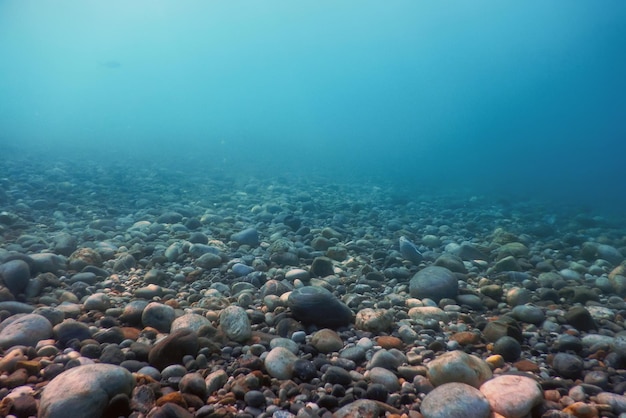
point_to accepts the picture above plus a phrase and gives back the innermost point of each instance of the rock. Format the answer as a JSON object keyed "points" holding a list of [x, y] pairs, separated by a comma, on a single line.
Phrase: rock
{"points": [[512, 396], [70, 329], [421, 314], [248, 237], [124, 262], [409, 251], [15, 274], [14, 307], [580, 318], [468, 252], [610, 254], [133, 311], [362, 408], [374, 320], [215, 381], [506, 264], [451, 262], [97, 302], [159, 316], [172, 349], [336, 375], [316, 305], [84, 391], [385, 377], [209, 261], [617, 402], [170, 410], [387, 359], [508, 347], [279, 363], [191, 320], [322, 267], [528, 313], [24, 329], [569, 366], [49, 262], [455, 400], [435, 283], [235, 324], [326, 341], [457, 366], [193, 383]]}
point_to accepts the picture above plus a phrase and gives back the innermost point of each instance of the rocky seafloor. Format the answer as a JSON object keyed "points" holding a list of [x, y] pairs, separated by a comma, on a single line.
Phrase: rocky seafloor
{"points": [[141, 291]]}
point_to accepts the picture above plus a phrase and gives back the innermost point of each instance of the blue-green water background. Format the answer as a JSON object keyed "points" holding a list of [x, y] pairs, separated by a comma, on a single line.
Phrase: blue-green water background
{"points": [[520, 99]]}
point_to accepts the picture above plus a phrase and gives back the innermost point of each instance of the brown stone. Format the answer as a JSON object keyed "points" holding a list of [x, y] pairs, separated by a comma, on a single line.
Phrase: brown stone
{"points": [[582, 410], [31, 366], [172, 349], [388, 342], [525, 365], [466, 338], [174, 397], [15, 379], [130, 333]]}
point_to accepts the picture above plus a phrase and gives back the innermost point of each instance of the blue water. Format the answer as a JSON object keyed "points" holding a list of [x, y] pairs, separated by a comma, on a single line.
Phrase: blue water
{"points": [[520, 99]]}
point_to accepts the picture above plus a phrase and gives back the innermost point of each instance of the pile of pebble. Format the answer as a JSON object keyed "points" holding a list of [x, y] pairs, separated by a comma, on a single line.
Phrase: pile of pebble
{"points": [[137, 295]]}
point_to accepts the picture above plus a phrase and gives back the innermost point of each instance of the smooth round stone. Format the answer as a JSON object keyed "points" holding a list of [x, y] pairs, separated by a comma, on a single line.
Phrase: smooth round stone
{"points": [[508, 347], [317, 306], [374, 320], [70, 329], [190, 320], [518, 296], [286, 343], [148, 292], [458, 366], [528, 313], [387, 359], [304, 370], [297, 274], [569, 366], [85, 277], [473, 301], [617, 402], [84, 391], [14, 307], [53, 315], [451, 262], [172, 349], [241, 270], [193, 383], [512, 396], [215, 381], [49, 262], [24, 329], [159, 316], [385, 377], [435, 283], [15, 274], [173, 371], [248, 237], [355, 353], [132, 312], [422, 314], [455, 400], [254, 398], [610, 254], [209, 261], [97, 302], [362, 408], [326, 341], [235, 324], [336, 375], [279, 363], [566, 342]]}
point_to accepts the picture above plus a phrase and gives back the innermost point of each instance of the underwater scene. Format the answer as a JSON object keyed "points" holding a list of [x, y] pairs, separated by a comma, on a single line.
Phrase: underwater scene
{"points": [[287, 209]]}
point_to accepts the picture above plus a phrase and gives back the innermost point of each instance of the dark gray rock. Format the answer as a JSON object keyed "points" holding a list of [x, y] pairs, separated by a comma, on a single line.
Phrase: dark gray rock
{"points": [[159, 316], [15, 274], [316, 305], [569, 366], [172, 349], [70, 329], [248, 236], [409, 251], [322, 267], [434, 282], [24, 329]]}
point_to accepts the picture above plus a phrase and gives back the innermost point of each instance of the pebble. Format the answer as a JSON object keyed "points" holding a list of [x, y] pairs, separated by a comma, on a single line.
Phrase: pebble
{"points": [[248, 236], [326, 341], [374, 320], [512, 396], [458, 366], [235, 324], [159, 316], [567, 365], [172, 349], [434, 282], [455, 400], [279, 363], [192, 321], [24, 329], [84, 391], [15, 275], [71, 329], [316, 305]]}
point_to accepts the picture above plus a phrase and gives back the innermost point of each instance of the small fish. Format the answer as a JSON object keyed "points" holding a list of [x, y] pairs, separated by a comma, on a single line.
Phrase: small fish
{"points": [[409, 251]]}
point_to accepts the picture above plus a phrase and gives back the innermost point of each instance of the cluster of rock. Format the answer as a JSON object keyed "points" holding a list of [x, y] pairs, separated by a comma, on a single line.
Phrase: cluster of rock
{"points": [[303, 305]]}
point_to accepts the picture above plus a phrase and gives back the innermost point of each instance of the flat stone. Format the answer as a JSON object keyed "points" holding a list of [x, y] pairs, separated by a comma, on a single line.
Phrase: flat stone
{"points": [[24, 329], [455, 400]]}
